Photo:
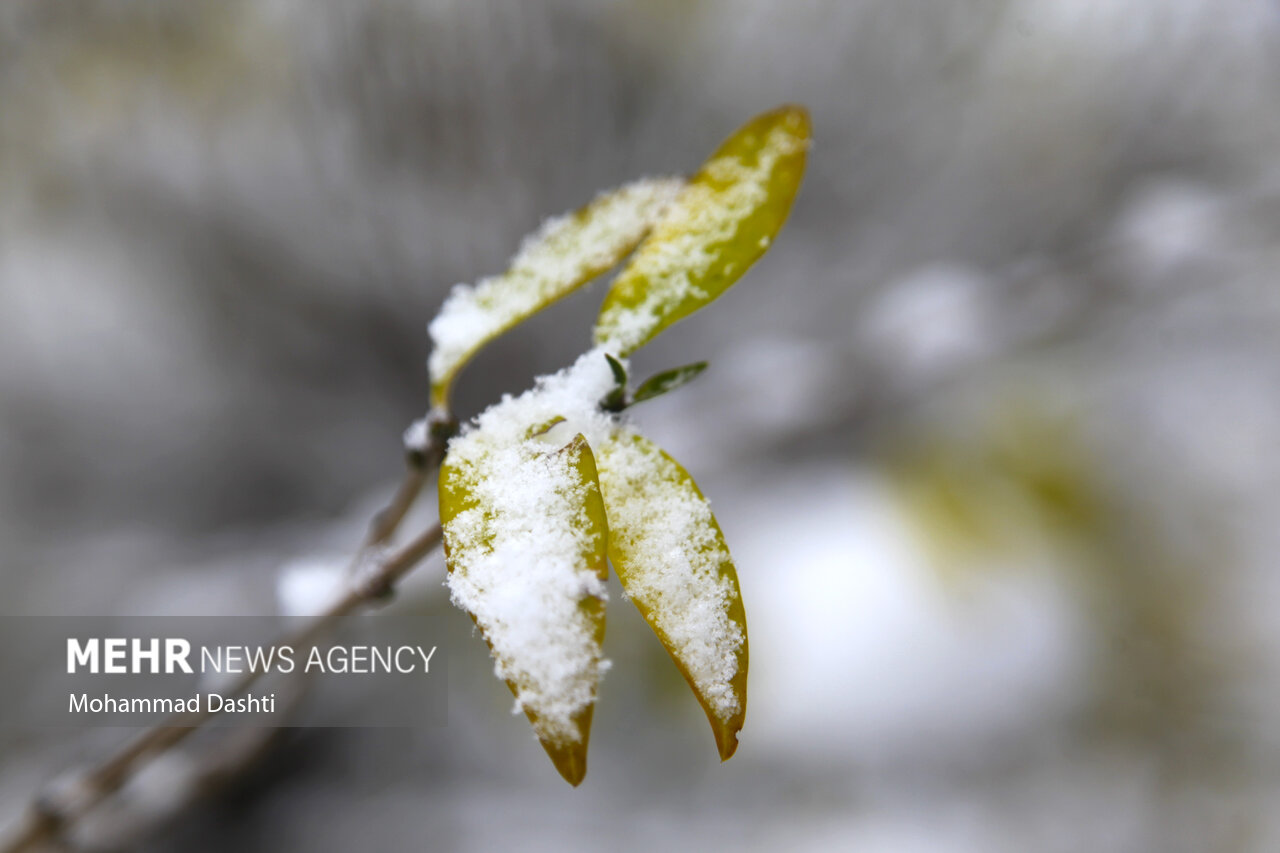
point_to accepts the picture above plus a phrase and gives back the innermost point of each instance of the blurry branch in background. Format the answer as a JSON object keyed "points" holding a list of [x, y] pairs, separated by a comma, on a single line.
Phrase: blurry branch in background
{"points": [[53, 814]]}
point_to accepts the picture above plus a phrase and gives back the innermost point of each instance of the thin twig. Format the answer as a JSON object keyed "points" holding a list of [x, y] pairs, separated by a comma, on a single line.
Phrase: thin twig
{"points": [[50, 816], [440, 427], [387, 521]]}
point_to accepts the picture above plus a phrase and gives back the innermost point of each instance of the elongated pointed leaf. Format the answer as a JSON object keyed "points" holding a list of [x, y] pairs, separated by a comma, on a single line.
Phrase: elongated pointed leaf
{"points": [[672, 560], [560, 257], [667, 381], [715, 229], [524, 534]]}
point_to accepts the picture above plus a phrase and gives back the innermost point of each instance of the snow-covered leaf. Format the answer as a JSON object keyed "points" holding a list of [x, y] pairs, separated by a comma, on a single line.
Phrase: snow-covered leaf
{"points": [[719, 224], [564, 254], [525, 535], [672, 560], [667, 380]]}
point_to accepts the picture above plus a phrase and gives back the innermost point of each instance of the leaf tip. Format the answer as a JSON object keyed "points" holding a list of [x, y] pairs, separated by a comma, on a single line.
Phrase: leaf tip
{"points": [[570, 762], [797, 119], [727, 740]]}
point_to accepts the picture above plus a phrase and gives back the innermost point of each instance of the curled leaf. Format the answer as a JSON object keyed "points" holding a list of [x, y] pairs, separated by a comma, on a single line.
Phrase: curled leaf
{"points": [[719, 224], [668, 380], [525, 535], [564, 254], [672, 560], [618, 370]]}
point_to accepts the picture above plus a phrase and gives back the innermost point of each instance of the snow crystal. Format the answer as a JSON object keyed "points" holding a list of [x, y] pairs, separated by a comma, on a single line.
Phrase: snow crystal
{"points": [[563, 253], [658, 518]]}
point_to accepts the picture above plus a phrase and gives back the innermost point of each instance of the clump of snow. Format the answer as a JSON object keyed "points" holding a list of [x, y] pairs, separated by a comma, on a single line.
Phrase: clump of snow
{"points": [[688, 242], [673, 557], [417, 436], [517, 550], [572, 394], [565, 252]]}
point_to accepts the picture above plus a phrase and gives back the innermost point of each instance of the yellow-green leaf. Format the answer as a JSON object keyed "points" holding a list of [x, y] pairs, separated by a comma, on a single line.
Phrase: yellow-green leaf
{"points": [[525, 535], [564, 254], [719, 224], [672, 560]]}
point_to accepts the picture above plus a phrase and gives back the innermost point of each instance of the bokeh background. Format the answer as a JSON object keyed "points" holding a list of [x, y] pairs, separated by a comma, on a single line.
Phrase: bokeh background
{"points": [[993, 429]]}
